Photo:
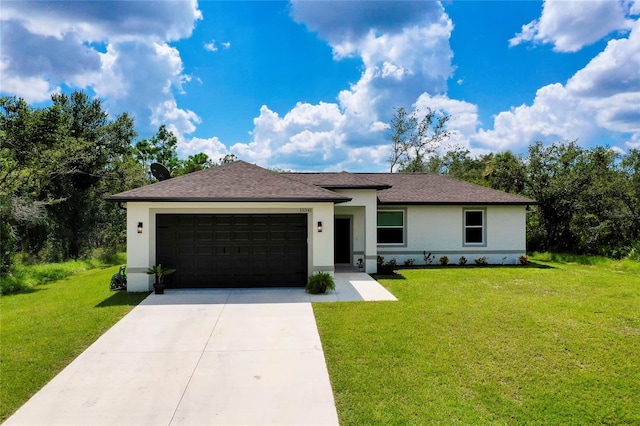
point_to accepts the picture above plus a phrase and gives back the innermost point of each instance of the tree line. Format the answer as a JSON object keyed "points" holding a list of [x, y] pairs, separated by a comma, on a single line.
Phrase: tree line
{"points": [[57, 165], [588, 199]]}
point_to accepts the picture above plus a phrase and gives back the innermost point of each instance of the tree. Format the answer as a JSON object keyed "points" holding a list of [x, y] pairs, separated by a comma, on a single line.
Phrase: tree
{"points": [[583, 200], [505, 172], [194, 163], [413, 140], [162, 148], [228, 158], [630, 166], [58, 164]]}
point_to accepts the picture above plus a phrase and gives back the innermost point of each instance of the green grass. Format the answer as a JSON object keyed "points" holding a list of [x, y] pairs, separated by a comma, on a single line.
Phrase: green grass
{"points": [[44, 328], [553, 343], [26, 276]]}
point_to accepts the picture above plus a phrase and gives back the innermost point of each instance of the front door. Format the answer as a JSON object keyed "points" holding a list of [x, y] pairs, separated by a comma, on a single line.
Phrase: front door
{"points": [[342, 240]]}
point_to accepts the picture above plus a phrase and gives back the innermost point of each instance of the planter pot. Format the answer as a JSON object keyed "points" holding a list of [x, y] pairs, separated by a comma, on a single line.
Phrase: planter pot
{"points": [[159, 288], [317, 289]]}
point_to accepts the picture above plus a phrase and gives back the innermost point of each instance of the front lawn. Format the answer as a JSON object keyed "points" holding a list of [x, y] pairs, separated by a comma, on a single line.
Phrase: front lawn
{"points": [[548, 344], [44, 328]]}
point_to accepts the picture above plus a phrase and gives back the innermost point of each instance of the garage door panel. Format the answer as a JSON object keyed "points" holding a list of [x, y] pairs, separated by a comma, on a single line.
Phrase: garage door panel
{"points": [[204, 221], [222, 251], [222, 219], [204, 236], [259, 250], [241, 236], [223, 235], [233, 250], [204, 251], [260, 235]]}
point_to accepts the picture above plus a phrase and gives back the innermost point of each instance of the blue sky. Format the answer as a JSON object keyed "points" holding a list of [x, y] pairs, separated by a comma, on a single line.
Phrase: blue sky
{"points": [[311, 85]]}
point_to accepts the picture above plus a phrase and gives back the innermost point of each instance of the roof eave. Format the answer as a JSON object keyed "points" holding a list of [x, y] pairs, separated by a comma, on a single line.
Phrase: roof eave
{"points": [[225, 200], [376, 187], [457, 203]]}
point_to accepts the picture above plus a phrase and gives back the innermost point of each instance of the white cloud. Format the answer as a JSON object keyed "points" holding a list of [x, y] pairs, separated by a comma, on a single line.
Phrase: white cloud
{"points": [[571, 25], [117, 21], [32, 89], [211, 46], [343, 21], [554, 115], [118, 49], [213, 147], [599, 104], [613, 71], [307, 133], [404, 48]]}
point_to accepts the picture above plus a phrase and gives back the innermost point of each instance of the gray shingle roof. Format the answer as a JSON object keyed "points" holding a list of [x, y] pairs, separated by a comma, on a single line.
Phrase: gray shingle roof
{"points": [[238, 181], [332, 180], [427, 188], [244, 182]]}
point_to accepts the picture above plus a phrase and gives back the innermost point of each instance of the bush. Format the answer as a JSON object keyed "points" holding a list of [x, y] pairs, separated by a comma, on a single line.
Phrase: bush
{"points": [[409, 262], [386, 268], [634, 253], [444, 260], [524, 260], [481, 261], [11, 284], [320, 283], [428, 258], [26, 273], [462, 261]]}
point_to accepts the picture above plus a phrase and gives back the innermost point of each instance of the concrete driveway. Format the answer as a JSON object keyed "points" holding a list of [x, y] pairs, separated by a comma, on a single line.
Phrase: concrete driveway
{"points": [[201, 357]]}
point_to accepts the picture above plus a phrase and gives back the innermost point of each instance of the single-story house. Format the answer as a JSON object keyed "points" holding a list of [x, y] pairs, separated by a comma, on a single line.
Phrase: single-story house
{"points": [[242, 225]]}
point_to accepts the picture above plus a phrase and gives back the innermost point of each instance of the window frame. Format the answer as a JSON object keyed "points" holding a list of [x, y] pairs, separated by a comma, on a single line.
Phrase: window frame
{"points": [[403, 227], [483, 227]]}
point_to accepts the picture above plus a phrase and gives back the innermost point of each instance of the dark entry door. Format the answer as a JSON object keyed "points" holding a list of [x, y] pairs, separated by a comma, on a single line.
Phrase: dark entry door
{"points": [[342, 240], [225, 250]]}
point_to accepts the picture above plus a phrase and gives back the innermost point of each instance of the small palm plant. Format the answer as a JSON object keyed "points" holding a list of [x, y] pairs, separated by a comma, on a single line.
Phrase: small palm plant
{"points": [[159, 273], [320, 283]]}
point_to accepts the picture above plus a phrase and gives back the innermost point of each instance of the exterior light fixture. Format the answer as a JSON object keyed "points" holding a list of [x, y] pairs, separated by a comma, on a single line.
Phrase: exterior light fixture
{"points": [[319, 226], [139, 227]]}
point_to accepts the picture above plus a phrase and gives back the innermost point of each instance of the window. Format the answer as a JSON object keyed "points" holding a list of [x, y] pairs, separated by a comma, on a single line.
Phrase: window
{"points": [[474, 227], [391, 227]]}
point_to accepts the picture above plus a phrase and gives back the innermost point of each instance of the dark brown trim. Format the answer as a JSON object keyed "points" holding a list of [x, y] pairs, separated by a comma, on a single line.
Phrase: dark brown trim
{"points": [[227, 200], [457, 203], [377, 187]]}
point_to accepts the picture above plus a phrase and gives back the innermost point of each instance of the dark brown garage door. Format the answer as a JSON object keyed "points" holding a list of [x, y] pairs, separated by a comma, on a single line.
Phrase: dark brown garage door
{"points": [[242, 250]]}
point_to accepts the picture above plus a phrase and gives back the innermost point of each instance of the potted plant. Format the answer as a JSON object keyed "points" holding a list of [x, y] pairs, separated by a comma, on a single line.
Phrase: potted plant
{"points": [[320, 283], [159, 273]]}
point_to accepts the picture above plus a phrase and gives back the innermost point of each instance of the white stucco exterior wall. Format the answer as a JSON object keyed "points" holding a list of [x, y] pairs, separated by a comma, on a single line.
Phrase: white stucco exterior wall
{"points": [[439, 230], [141, 248], [363, 206]]}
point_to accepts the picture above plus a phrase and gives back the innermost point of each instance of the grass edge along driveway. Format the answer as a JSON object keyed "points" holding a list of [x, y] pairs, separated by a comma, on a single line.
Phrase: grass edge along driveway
{"points": [[516, 345], [43, 329]]}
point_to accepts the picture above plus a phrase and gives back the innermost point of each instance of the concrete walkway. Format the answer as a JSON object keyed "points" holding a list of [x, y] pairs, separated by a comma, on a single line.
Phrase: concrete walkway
{"points": [[203, 357]]}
